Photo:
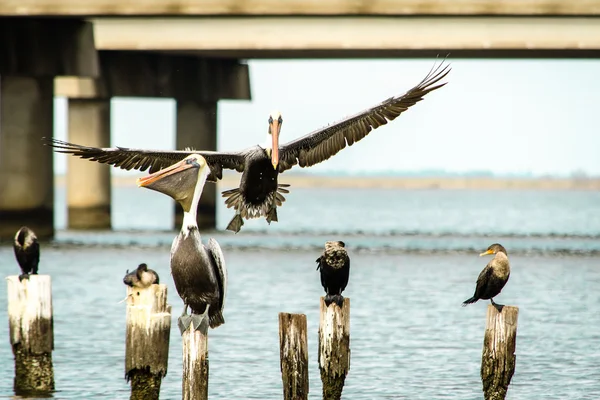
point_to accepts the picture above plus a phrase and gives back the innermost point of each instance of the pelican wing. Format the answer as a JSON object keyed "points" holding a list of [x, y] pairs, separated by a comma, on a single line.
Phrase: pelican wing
{"points": [[221, 270], [155, 160], [320, 145]]}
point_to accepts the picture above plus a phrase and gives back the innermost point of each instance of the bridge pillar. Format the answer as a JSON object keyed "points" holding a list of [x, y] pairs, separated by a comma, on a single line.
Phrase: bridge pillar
{"points": [[197, 84], [88, 183], [197, 129], [26, 169], [33, 51]]}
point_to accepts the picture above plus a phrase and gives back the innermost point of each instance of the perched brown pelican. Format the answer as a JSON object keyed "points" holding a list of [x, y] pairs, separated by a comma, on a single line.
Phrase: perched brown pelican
{"points": [[334, 264], [141, 278], [259, 193], [198, 271], [493, 277], [27, 252]]}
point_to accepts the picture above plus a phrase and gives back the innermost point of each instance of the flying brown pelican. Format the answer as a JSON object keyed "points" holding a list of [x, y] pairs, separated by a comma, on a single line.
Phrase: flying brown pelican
{"points": [[334, 264], [27, 252], [493, 277], [198, 271], [141, 278], [259, 193]]}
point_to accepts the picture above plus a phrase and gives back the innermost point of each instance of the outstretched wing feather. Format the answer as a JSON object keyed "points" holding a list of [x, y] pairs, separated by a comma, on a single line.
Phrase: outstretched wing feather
{"points": [[324, 143], [154, 160]]}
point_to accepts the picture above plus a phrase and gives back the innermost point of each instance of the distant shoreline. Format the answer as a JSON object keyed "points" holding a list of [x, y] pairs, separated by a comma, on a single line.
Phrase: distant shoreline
{"points": [[365, 182]]}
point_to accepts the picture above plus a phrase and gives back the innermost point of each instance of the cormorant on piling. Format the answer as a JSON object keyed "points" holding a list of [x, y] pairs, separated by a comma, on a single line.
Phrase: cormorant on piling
{"points": [[259, 192], [493, 277], [141, 278], [198, 271], [334, 264], [27, 252]]}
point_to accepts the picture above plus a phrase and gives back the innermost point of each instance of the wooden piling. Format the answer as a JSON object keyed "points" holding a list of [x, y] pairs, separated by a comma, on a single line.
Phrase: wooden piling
{"points": [[334, 348], [195, 363], [498, 358], [293, 352], [147, 340], [31, 333]]}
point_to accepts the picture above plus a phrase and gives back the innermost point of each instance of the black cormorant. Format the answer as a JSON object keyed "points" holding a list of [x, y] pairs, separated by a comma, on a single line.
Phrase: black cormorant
{"points": [[141, 278], [334, 264], [493, 277], [27, 252]]}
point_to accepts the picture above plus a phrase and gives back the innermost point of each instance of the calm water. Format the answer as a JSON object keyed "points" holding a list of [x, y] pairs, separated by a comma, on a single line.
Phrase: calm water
{"points": [[414, 260]]}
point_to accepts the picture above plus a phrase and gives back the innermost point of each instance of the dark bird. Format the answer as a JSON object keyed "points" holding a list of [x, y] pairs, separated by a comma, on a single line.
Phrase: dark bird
{"points": [[198, 271], [493, 277], [260, 193], [141, 278], [334, 264], [27, 252]]}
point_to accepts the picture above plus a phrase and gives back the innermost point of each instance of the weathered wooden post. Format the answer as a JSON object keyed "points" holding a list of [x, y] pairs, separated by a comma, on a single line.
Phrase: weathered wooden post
{"points": [[499, 344], [147, 340], [195, 362], [31, 333], [293, 352], [334, 348]]}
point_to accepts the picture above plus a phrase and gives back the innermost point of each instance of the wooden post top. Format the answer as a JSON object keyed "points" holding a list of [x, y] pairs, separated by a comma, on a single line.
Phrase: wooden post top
{"points": [[509, 314]]}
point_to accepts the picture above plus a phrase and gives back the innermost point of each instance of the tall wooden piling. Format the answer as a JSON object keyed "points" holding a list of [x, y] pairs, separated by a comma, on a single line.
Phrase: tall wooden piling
{"points": [[499, 344], [31, 333], [334, 348], [195, 363], [293, 352], [147, 340]]}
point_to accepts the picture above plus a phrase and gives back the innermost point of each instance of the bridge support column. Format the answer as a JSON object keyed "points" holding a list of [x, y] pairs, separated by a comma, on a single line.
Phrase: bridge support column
{"points": [[197, 129], [26, 169], [88, 183]]}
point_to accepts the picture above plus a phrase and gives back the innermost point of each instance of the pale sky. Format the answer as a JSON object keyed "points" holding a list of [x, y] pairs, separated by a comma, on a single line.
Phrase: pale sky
{"points": [[507, 116]]}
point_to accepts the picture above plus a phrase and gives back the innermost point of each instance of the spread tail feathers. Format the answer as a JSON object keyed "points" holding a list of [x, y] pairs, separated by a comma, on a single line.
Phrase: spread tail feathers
{"points": [[469, 301], [216, 320], [235, 199]]}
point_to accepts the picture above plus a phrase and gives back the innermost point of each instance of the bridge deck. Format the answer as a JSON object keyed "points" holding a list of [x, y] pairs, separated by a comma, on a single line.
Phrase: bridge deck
{"points": [[281, 37], [296, 7]]}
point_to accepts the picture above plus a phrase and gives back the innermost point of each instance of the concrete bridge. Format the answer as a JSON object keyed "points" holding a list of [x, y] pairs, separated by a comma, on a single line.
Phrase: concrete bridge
{"points": [[191, 50]]}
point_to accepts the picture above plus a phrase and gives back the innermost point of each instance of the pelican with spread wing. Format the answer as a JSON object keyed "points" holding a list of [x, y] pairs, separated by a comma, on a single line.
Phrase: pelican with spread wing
{"points": [[260, 193]]}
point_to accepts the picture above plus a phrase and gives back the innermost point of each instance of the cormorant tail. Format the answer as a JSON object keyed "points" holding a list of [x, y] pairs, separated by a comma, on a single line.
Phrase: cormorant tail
{"points": [[236, 223], [216, 320], [23, 276], [334, 298], [470, 301]]}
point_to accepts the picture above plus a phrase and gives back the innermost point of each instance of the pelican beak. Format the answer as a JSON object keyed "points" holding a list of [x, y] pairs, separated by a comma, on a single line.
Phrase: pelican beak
{"points": [[163, 173], [485, 253], [275, 129]]}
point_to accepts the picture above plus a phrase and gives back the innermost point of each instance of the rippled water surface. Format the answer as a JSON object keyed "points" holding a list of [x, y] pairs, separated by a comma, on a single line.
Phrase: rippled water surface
{"points": [[414, 260]]}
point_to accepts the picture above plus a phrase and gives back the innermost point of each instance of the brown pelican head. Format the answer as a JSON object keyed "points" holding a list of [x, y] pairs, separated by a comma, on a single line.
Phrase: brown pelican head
{"points": [[272, 147], [493, 249], [183, 181]]}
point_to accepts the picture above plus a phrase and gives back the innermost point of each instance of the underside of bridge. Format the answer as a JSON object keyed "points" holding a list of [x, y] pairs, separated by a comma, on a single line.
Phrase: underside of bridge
{"points": [[43, 58], [191, 51]]}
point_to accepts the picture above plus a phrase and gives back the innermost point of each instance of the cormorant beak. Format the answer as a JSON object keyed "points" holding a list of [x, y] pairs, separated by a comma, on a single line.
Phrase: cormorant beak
{"points": [[275, 129], [486, 253], [163, 173]]}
